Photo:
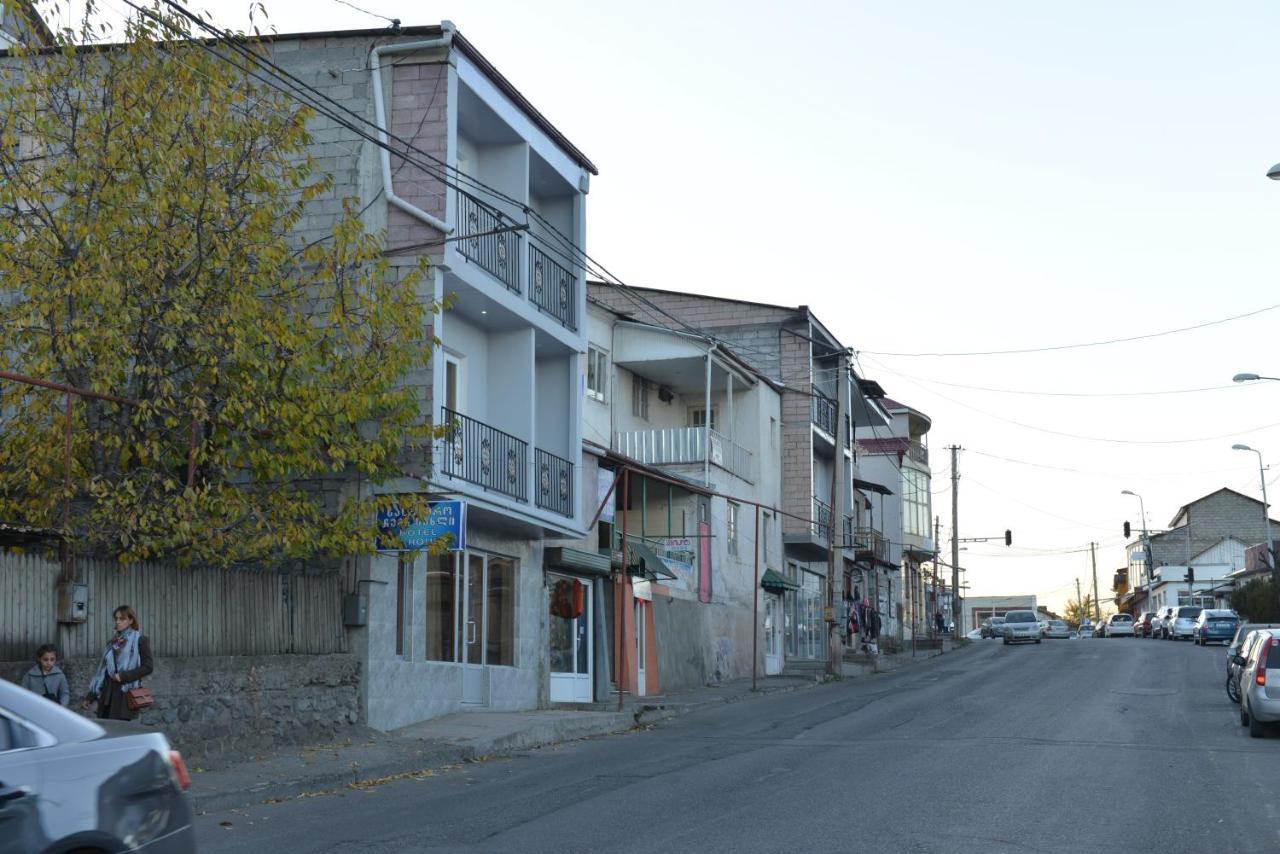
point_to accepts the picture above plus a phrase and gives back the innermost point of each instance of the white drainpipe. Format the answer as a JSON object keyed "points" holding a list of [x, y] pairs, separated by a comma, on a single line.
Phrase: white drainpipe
{"points": [[380, 115]]}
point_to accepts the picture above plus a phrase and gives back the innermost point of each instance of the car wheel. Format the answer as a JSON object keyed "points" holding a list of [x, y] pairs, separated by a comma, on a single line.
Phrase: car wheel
{"points": [[1244, 715], [1256, 728], [1233, 689]]}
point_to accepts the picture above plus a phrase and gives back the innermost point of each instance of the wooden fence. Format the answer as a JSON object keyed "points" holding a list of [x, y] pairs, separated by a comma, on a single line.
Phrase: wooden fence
{"points": [[185, 612]]}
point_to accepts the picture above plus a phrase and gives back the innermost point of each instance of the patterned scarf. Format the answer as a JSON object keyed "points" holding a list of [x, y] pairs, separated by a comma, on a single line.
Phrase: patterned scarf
{"points": [[124, 646]]}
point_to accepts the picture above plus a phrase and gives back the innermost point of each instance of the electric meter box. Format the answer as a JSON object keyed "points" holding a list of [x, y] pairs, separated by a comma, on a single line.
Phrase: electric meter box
{"points": [[73, 602]]}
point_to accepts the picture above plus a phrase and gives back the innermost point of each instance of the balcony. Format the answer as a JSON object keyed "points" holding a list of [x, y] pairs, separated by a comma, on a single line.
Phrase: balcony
{"points": [[849, 528], [871, 544], [485, 456], [823, 411], [522, 263], [495, 460], [682, 445], [821, 525], [555, 482], [918, 452]]}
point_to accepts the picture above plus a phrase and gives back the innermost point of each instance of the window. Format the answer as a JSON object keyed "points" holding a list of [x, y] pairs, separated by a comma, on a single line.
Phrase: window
{"points": [[442, 591], [733, 529], [500, 646], [915, 503], [404, 606], [767, 540], [640, 397], [773, 432], [597, 374], [698, 417]]}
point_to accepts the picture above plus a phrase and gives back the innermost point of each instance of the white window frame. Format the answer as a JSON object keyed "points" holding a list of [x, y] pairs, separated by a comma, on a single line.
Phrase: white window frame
{"points": [[600, 360], [639, 397], [697, 416]]}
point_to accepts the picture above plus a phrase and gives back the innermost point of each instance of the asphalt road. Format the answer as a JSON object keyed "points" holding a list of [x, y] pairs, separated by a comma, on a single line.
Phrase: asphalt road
{"points": [[1106, 744]]}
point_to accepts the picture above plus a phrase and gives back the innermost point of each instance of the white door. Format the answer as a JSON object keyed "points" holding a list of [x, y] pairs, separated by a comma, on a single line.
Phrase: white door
{"points": [[772, 634], [474, 675], [571, 642], [640, 648]]}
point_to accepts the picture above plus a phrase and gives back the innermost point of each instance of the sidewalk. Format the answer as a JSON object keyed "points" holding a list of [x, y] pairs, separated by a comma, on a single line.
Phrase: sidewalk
{"points": [[374, 756], [371, 757]]}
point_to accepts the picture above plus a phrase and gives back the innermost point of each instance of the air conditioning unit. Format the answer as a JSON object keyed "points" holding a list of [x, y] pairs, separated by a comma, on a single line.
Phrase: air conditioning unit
{"points": [[665, 394]]}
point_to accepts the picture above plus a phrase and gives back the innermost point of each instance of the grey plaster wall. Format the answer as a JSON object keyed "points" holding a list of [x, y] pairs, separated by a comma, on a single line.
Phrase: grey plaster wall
{"points": [[222, 709]]}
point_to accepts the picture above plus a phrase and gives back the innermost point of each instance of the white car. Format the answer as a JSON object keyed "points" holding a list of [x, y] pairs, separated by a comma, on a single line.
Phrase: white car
{"points": [[1183, 622], [1120, 625], [1056, 629], [1085, 631]]}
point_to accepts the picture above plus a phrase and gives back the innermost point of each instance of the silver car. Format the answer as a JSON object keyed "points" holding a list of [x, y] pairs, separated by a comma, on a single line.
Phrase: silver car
{"points": [[1021, 627], [1056, 629], [1182, 624], [70, 784], [1120, 625], [1260, 684]]}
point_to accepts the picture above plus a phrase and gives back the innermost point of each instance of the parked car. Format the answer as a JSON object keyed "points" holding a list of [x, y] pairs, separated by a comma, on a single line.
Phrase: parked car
{"points": [[1021, 627], [1119, 626], [1056, 629], [1215, 624], [1085, 630], [69, 783], [1236, 658], [991, 627], [1160, 625], [1142, 625], [1260, 683], [1183, 622]]}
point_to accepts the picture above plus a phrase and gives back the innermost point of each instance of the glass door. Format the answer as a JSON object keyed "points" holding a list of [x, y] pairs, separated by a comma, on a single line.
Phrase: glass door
{"points": [[473, 630], [640, 648], [571, 640], [772, 634]]}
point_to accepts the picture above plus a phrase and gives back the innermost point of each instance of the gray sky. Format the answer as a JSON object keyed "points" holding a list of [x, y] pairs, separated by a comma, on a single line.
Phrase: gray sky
{"points": [[942, 177]]}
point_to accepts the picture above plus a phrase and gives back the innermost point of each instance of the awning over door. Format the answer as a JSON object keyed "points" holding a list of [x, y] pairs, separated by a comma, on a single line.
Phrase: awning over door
{"points": [[642, 560], [775, 582], [576, 561]]}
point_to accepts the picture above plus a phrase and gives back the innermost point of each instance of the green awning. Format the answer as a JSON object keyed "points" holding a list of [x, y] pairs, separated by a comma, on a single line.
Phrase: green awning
{"points": [[576, 561], [777, 582], [642, 560]]}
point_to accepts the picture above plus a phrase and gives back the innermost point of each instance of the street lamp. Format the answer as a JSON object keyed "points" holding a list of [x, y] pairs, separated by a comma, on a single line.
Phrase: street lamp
{"points": [[1146, 548], [1274, 172], [1266, 512], [1248, 378]]}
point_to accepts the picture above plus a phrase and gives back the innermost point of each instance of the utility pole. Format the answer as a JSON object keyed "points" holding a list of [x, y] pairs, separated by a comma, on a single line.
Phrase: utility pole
{"points": [[937, 573], [1079, 600], [955, 536], [1093, 554]]}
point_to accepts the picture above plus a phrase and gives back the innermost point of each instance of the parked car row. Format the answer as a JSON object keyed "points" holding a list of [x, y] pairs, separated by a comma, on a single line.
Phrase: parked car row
{"points": [[1185, 622], [1253, 675], [1023, 627]]}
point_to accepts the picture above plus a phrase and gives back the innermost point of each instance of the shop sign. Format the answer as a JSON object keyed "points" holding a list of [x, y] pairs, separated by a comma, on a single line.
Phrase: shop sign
{"points": [[680, 555], [444, 519]]}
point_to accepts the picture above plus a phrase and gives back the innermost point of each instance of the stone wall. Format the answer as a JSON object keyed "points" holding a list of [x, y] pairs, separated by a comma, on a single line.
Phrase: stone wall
{"points": [[223, 709]]}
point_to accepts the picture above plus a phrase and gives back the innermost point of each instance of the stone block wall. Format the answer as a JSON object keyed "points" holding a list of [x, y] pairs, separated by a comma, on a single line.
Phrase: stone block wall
{"points": [[223, 709]]}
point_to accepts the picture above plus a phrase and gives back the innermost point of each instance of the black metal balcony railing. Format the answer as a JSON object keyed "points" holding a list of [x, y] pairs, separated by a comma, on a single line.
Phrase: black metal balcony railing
{"points": [[824, 411], [496, 252], [555, 482], [552, 287], [485, 456], [871, 543], [821, 519]]}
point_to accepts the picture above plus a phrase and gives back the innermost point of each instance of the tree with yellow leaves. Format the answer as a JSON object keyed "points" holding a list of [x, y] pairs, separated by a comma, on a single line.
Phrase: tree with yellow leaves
{"points": [[150, 198]]}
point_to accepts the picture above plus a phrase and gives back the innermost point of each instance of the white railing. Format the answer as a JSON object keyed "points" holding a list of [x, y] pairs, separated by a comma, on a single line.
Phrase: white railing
{"points": [[671, 445]]}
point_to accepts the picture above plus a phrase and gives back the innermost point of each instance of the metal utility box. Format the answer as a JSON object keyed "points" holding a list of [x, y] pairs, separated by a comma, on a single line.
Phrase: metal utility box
{"points": [[73, 602], [355, 609]]}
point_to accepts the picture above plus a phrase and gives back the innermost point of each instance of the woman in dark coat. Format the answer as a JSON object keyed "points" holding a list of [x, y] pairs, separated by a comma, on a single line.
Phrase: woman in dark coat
{"points": [[125, 661]]}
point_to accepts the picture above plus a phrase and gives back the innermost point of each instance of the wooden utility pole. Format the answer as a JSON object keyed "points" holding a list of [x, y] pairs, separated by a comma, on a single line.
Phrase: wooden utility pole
{"points": [[955, 536], [1093, 554], [834, 642], [1079, 601]]}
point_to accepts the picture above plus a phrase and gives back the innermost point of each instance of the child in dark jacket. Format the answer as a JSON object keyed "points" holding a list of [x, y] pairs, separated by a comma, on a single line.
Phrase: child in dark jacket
{"points": [[47, 678]]}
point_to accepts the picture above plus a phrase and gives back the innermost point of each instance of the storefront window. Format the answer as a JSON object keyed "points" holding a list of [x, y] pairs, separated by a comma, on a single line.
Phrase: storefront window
{"points": [[501, 619], [442, 589]]}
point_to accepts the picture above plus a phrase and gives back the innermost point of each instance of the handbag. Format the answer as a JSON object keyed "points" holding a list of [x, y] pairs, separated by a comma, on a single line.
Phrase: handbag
{"points": [[139, 698]]}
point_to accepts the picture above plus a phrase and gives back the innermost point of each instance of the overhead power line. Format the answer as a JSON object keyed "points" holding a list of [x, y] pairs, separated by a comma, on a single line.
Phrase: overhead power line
{"points": [[1084, 344]]}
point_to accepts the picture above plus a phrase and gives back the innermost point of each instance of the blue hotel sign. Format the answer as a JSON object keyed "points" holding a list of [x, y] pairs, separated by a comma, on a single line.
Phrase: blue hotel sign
{"points": [[445, 518]]}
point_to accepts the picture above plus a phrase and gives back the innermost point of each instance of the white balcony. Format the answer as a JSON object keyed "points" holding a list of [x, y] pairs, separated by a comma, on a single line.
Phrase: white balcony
{"points": [[685, 445]]}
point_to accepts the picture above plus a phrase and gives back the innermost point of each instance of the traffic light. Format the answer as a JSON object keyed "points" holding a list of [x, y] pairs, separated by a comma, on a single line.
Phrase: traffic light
{"points": [[1190, 577], [1008, 537], [1126, 530]]}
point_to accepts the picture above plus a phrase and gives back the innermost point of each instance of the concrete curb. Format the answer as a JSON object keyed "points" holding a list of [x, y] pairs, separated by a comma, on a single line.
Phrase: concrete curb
{"points": [[419, 757]]}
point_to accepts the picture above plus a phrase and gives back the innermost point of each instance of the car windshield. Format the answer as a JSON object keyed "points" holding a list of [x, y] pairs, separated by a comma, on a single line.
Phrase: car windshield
{"points": [[1020, 617], [1122, 618], [1058, 624], [1188, 613]]}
